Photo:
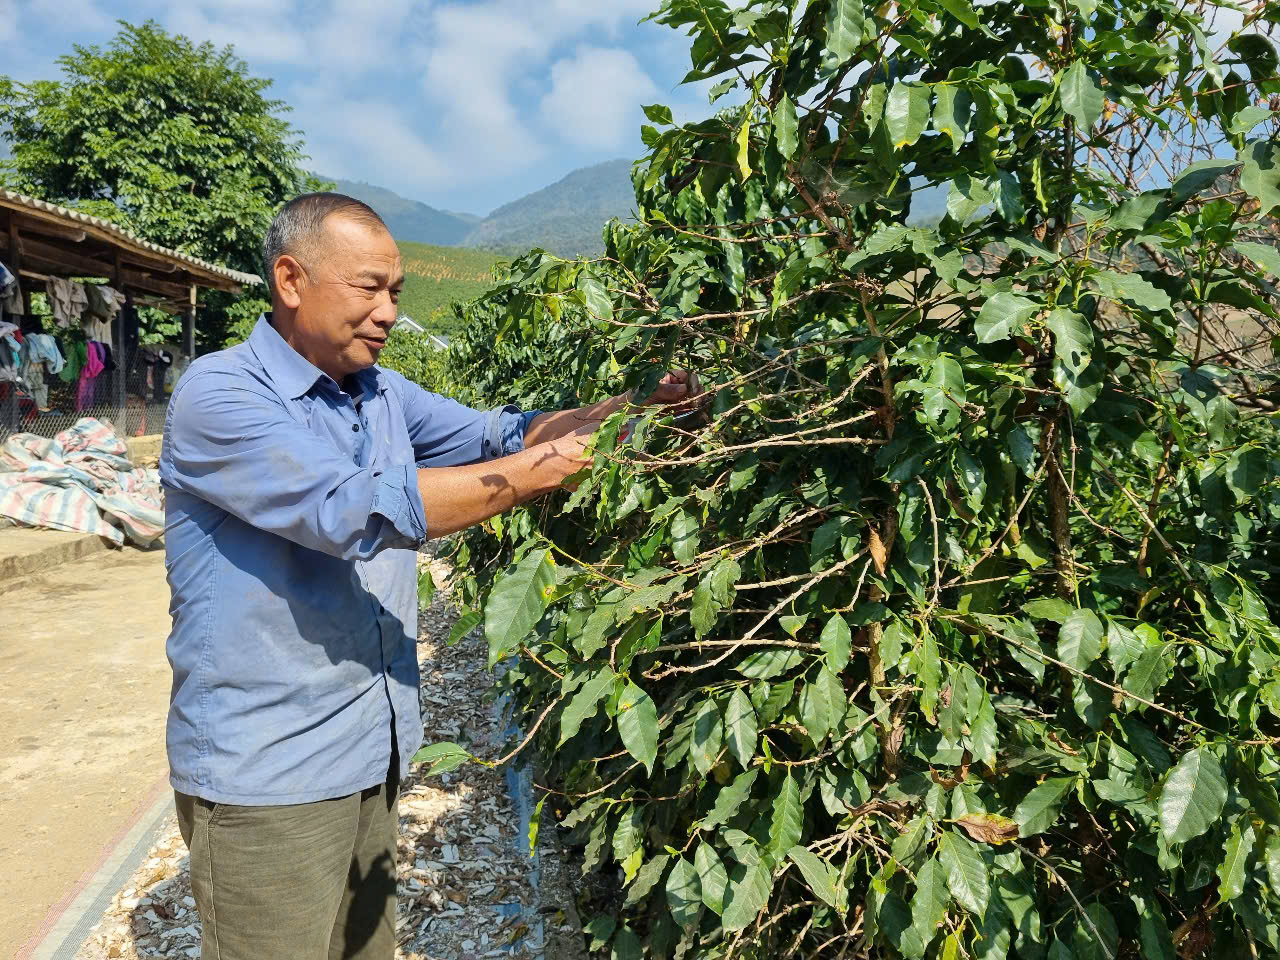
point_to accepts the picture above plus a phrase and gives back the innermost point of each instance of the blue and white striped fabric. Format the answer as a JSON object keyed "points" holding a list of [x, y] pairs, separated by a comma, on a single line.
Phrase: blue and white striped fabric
{"points": [[81, 480]]}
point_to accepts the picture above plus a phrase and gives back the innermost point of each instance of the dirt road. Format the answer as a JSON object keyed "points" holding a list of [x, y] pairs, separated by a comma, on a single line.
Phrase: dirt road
{"points": [[84, 685]]}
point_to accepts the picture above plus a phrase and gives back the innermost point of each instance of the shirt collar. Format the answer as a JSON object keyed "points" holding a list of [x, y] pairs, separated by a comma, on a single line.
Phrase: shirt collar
{"points": [[293, 373]]}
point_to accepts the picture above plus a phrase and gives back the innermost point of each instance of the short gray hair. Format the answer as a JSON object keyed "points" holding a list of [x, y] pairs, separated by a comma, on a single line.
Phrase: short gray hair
{"points": [[299, 225]]}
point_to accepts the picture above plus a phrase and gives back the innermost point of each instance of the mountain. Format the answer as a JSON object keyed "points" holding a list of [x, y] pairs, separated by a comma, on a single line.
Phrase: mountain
{"points": [[565, 217], [409, 220]]}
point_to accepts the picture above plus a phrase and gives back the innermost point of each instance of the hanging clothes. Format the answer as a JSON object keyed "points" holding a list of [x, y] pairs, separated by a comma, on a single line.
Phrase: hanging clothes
{"points": [[10, 350], [67, 300], [10, 293], [104, 302], [76, 356], [40, 353], [87, 387]]}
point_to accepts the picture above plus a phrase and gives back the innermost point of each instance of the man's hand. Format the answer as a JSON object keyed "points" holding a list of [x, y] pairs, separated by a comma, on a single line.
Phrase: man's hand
{"points": [[680, 390]]}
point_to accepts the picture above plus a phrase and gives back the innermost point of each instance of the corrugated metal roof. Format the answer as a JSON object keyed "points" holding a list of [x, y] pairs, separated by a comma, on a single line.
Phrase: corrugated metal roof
{"points": [[18, 200]]}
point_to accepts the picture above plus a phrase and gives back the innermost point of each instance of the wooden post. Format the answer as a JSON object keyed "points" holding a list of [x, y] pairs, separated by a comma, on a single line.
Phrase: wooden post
{"points": [[122, 358], [189, 327], [13, 413]]}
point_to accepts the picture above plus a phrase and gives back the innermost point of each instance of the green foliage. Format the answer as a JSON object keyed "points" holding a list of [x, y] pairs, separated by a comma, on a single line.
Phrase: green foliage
{"points": [[173, 140], [959, 613], [435, 278], [412, 354]]}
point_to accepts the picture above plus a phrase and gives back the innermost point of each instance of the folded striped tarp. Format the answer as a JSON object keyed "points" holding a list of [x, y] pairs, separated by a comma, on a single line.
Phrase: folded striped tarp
{"points": [[81, 480]]}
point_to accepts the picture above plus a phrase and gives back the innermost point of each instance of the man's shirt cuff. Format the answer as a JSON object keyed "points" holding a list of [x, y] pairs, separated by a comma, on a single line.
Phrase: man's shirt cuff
{"points": [[397, 498], [505, 429]]}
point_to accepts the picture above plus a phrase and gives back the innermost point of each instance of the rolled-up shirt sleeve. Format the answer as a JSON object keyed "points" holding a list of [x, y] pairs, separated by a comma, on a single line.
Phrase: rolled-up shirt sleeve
{"points": [[232, 443], [446, 433]]}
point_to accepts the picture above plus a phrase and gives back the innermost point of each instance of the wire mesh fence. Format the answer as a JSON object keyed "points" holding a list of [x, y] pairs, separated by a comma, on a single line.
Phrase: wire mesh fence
{"points": [[131, 394]]}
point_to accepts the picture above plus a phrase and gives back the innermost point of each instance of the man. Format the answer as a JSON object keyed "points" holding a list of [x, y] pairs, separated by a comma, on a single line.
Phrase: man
{"points": [[300, 480]]}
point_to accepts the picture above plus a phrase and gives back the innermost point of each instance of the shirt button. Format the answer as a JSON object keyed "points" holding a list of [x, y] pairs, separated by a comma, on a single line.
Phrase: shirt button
{"points": [[355, 428]]}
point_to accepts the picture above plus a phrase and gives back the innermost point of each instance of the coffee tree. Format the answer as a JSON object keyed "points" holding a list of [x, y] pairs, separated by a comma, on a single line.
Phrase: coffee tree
{"points": [[949, 630]]}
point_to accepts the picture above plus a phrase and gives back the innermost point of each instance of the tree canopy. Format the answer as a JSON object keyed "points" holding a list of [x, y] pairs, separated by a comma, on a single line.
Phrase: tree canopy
{"points": [[174, 140]]}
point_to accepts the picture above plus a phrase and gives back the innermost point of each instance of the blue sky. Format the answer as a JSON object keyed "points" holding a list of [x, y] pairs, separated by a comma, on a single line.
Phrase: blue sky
{"points": [[462, 104]]}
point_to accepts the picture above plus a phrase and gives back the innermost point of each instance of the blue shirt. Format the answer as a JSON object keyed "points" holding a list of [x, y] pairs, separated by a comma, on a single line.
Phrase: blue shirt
{"points": [[292, 523]]}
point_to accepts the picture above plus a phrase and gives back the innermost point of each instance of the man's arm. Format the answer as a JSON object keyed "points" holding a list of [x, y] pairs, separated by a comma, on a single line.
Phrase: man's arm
{"points": [[679, 390], [455, 498]]}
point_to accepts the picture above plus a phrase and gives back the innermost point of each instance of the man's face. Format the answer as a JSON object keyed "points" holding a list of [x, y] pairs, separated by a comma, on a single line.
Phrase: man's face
{"points": [[347, 301]]}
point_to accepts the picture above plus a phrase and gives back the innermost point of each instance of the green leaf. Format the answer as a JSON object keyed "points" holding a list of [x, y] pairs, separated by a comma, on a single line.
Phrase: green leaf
{"points": [[638, 724], [1039, 808], [836, 642], [1081, 95], [822, 704], [966, 873], [628, 836], [1080, 639], [597, 299], [1247, 470], [1260, 175], [684, 893], [1263, 254], [1231, 872], [1192, 797], [822, 878], [929, 903], [1131, 289], [846, 23], [1273, 861], [657, 113], [730, 798], [1148, 673], [1048, 608], [443, 757], [684, 536], [963, 11], [465, 624], [517, 603], [952, 111], [740, 727], [906, 113], [1153, 931], [585, 702], [1072, 338], [1008, 197], [1002, 316], [426, 587], [785, 127], [626, 946], [712, 876], [787, 824], [708, 736], [748, 893]]}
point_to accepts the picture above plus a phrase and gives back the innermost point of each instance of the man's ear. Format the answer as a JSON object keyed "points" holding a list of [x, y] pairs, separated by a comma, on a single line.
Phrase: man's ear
{"points": [[290, 279]]}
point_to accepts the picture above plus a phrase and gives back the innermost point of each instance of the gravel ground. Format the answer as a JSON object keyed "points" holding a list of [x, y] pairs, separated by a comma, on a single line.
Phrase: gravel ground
{"points": [[467, 888]]}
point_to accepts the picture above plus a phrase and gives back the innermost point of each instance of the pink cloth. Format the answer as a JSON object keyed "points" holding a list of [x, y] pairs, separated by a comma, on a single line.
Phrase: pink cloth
{"points": [[86, 389]]}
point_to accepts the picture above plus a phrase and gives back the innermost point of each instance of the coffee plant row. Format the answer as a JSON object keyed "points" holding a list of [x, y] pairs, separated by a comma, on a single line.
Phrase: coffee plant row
{"points": [[949, 629]]}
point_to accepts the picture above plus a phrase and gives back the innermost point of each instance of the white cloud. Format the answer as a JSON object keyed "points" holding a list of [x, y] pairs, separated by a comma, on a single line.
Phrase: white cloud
{"points": [[366, 140], [8, 22], [84, 14], [595, 97]]}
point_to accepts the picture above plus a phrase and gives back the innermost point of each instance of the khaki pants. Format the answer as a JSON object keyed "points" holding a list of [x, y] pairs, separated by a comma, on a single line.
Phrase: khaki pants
{"points": [[306, 881]]}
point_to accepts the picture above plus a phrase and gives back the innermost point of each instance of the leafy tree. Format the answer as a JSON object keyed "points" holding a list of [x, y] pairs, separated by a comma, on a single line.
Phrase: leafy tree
{"points": [[173, 140], [953, 631]]}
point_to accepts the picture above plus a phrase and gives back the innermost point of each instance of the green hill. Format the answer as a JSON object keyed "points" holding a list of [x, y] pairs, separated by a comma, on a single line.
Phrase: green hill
{"points": [[565, 217], [408, 219], [435, 276]]}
